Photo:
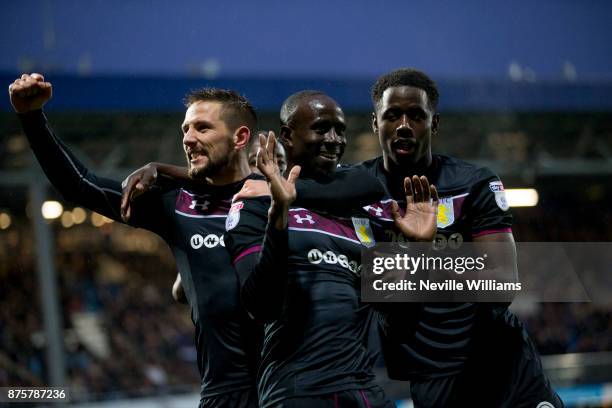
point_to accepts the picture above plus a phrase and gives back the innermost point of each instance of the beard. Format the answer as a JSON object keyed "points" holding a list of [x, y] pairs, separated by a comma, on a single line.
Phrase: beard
{"points": [[217, 162]]}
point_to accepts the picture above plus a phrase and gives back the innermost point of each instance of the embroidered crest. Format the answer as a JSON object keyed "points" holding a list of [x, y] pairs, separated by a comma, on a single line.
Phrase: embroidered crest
{"points": [[233, 217], [446, 212], [500, 195], [364, 231]]}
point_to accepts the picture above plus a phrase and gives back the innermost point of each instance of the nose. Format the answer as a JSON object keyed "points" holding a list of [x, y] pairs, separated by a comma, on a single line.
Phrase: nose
{"points": [[332, 137], [404, 128], [189, 138]]}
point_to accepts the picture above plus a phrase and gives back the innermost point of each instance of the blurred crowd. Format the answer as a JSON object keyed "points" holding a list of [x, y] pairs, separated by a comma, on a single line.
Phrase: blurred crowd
{"points": [[124, 335]]}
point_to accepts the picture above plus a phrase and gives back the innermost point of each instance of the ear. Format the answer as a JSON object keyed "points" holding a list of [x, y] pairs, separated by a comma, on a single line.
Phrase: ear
{"points": [[374, 123], [286, 135], [241, 137], [435, 122]]}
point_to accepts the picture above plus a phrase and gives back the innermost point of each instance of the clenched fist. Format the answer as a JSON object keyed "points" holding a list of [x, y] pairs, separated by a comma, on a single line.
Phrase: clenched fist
{"points": [[29, 93]]}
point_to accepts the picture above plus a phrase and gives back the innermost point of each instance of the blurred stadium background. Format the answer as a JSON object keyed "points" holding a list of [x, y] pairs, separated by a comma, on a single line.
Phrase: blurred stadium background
{"points": [[526, 88]]}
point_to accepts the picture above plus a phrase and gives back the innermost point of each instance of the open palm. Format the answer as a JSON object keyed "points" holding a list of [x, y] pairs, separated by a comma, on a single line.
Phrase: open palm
{"points": [[283, 190], [420, 217]]}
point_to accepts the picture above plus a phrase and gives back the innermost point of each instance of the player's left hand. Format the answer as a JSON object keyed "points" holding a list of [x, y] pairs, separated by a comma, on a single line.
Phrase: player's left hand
{"points": [[419, 222], [283, 190]]}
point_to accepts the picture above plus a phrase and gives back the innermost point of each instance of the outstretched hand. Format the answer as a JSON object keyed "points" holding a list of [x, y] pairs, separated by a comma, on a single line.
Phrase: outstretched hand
{"points": [[283, 190], [29, 93], [419, 220]]}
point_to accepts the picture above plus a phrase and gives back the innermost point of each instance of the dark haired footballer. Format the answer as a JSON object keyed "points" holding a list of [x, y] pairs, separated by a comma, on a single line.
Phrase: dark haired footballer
{"points": [[461, 354], [303, 282], [190, 218], [178, 292]]}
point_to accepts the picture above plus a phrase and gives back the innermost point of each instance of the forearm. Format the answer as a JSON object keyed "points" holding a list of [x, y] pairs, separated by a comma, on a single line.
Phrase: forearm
{"points": [[278, 216], [67, 174], [176, 172], [264, 288]]}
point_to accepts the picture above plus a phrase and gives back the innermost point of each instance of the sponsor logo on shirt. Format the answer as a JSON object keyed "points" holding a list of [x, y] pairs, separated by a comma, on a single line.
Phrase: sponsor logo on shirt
{"points": [[316, 256], [209, 241]]}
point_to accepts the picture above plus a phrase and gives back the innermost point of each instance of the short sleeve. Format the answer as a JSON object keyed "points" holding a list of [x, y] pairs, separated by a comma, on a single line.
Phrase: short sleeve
{"points": [[490, 211]]}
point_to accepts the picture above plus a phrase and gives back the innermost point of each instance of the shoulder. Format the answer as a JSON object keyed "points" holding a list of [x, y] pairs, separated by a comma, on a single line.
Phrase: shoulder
{"points": [[457, 174], [372, 165], [248, 212]]}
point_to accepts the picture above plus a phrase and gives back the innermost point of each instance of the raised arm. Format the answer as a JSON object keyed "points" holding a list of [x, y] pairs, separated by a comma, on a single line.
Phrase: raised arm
{"points": [[69, 176]]}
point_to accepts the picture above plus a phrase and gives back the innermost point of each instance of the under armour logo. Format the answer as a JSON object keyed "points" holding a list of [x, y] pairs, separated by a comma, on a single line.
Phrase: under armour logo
{"points": [[300, 220], [377, 210], [202, 207]]}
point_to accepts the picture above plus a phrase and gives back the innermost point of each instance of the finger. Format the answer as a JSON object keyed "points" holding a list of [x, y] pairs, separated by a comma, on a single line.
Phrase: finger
{"points": [[38, 77], [261, 159], [271, 147], [418, 189], [425, 187], [294, 174], [126, 194], [25, 77], [434, 194], [395, 212], [408, 190]]}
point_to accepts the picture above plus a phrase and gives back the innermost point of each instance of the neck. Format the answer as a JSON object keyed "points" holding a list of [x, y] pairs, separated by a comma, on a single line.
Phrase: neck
{"points": [[235, 171], [418, 168], [306, 173]]}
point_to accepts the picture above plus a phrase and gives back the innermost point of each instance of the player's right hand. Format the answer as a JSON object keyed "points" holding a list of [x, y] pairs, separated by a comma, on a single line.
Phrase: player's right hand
{"points": [[29, 93], [134, 185]]}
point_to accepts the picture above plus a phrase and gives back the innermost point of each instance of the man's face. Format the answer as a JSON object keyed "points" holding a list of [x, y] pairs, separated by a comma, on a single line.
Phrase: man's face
{"points": [[405, 122], [317, 136], [207, 141]]}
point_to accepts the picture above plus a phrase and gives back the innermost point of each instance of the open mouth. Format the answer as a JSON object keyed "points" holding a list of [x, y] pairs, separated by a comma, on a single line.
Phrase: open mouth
{"points": [[195, 155], [404, 146]]}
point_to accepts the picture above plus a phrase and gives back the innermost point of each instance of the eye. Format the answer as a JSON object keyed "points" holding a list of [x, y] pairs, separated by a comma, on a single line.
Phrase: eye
{"points": [[322, 129], [390, 115]]}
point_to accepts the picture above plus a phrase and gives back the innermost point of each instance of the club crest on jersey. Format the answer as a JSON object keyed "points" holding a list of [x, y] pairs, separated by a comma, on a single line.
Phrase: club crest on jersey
{"points": [[233, 217], [446, 212], [364, 231], [500, 195]]}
